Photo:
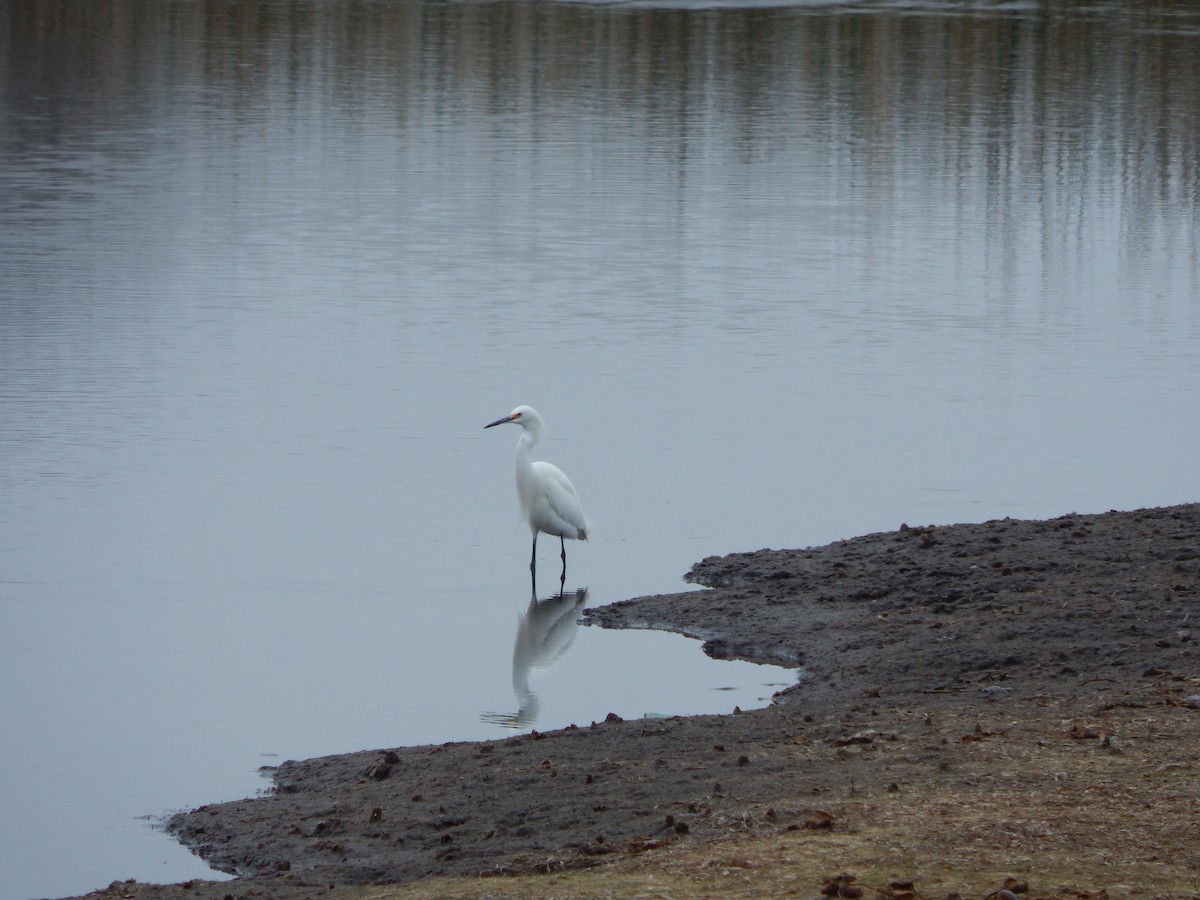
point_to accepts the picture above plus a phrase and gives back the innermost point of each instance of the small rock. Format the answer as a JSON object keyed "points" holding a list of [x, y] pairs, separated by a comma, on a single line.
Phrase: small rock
{"points": [[380, 771], [842, 886], [819, 821]]}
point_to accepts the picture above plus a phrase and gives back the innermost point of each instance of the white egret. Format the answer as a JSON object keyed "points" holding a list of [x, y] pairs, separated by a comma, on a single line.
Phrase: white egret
{"points": [[548, 499]]}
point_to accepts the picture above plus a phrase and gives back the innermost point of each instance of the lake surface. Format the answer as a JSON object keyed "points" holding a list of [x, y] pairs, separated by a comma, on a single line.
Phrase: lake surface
{"points": [[774, 274]]}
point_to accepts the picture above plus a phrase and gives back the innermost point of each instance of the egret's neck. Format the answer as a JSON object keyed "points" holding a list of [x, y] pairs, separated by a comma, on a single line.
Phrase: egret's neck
{"points": [[525, 481], [529, 437]]}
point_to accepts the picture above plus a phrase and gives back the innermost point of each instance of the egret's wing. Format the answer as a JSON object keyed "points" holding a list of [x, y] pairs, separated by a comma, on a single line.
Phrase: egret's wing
{"points": [[557, 476], [562, 506]]}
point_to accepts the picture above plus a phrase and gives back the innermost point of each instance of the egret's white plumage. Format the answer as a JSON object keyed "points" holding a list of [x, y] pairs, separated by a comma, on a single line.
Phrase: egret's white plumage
{"points": [[548, 499]]}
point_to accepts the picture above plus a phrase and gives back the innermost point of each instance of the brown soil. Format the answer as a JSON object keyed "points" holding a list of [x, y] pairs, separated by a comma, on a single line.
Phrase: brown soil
{"points": [[1012, 699]]}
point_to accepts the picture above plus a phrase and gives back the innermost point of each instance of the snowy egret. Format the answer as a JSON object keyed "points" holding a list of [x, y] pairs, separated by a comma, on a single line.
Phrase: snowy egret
{"points": [[548, 499]]}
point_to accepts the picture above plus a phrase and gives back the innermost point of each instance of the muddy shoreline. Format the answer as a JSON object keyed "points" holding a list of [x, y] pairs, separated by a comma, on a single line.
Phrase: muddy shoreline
{"points": [[894, 630]]}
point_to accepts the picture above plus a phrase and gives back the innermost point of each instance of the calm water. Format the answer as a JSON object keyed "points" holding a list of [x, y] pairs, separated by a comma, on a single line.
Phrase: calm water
{"points": [[775, 276]]}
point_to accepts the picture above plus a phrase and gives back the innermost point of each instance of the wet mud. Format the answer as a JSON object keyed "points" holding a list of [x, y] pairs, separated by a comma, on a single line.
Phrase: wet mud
{"points": [[892, 630]]}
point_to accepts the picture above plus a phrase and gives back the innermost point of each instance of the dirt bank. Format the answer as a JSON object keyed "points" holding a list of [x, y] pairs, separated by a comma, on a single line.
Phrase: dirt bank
{"points": [[934, 656]]}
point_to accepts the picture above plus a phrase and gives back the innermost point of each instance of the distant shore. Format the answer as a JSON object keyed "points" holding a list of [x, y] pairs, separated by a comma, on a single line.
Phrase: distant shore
{"points": [[921, 647]]}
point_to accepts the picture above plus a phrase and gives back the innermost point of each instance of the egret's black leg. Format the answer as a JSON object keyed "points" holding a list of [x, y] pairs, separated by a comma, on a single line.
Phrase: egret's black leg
{"points": [[562, 579], [533, 558]]}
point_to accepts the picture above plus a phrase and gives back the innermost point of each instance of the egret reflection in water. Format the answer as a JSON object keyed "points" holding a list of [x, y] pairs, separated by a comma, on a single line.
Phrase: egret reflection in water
{"points": [[545, 632]]}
